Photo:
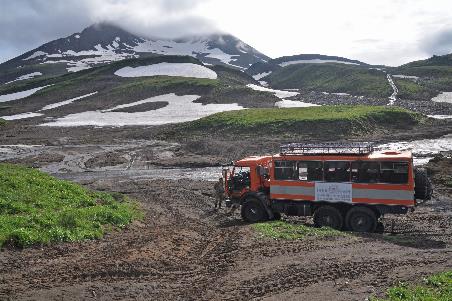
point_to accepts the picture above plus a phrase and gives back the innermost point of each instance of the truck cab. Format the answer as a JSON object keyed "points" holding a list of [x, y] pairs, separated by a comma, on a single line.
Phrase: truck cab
{"points": [[247, 176]]}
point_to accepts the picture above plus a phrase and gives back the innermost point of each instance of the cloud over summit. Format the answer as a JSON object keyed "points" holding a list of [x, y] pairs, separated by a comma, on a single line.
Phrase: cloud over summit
{"points": [[389, 32]]}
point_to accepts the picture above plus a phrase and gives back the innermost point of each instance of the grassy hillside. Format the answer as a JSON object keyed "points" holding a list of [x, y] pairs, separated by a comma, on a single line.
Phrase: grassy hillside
{"points": [[342, 78], [36, 208], [435, 75], [2, 122], [409, 89], [436, 60], [325, 120]]}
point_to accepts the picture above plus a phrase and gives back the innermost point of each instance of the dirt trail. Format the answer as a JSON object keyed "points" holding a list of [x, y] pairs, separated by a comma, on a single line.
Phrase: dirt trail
{"points": [[183, 250]]}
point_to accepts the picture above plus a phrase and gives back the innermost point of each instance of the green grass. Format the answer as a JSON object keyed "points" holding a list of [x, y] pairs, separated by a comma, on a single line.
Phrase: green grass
{"points": [[2, 122], [290, 231], [36, 208], [414, 91], [435, 288], [433, 79], [355, 80], [328, 118]]}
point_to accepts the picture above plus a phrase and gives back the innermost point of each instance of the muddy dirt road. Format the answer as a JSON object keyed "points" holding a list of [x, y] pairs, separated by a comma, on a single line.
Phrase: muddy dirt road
{"points": [[184, 250]]}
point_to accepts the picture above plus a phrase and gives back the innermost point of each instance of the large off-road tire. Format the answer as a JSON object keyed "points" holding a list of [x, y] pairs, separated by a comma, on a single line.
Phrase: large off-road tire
{"points": [[253, 211], [276, 216], [361, 219], [422, 185], [328, 216]]}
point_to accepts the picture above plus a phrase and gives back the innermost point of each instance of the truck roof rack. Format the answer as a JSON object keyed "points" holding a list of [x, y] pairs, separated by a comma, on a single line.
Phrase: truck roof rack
{"points": [[327, 148]]}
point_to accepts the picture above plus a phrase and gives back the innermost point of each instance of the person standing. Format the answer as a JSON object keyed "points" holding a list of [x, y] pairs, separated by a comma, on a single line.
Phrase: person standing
{"points": [[219, 193]]}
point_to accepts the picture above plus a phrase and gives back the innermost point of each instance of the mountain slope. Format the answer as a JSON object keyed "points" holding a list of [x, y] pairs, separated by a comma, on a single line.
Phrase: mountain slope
{"points": [[322, 73], [105, 43], [425, 79], [314, 59], [333, 78], [137, 85]]}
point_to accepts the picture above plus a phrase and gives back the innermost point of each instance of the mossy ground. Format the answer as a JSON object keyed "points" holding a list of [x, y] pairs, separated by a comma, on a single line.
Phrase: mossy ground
{"points": [[434, 288], [325, 119], [290, 231], [36, 208]]}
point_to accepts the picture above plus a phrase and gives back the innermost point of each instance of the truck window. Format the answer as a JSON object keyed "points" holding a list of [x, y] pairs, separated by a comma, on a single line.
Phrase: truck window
{"points": [[394, 172], [365, 171], [310, 171], [337, 171], [240, 178], [286, 170]]}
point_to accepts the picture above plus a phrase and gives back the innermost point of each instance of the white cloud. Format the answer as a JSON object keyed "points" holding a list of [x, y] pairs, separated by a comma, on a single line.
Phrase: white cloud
{"points": [[380, 32]]}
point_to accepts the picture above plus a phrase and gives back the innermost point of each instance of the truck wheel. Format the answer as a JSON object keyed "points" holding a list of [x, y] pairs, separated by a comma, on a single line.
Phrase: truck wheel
{"points": [[276, 216], [422, 185], [328, 216], [253, 211], [361, 219]]}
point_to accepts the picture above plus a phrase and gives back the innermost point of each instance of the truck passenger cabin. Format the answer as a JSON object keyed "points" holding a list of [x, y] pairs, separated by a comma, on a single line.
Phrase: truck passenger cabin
{"points": [[343, 185]]}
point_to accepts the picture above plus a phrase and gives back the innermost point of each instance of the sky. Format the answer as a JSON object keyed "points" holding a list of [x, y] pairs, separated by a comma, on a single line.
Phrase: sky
{"points": [[390, 32]]}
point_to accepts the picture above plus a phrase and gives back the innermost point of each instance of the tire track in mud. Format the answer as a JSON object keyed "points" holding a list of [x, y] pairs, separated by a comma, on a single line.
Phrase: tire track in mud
{"points": [[294, 276]]}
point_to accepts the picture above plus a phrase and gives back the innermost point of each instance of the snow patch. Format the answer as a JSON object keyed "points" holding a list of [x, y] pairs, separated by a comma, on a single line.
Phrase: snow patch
{"points": [[36, 54], [77, 36], [66, 102], [440, 116], [185, 47], [422, 148], [21, 116], [179, 109], [169, 69], [278, 93], [443, 97], [336, 93], [93, 57], [287, 103], [26, 76], [412, 77], [132, 104], [314, 61], [20, 95], [261, 75]]}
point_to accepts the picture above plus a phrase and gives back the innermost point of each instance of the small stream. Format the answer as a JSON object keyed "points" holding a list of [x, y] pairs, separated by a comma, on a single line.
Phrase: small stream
{"points": [[72, 167], [393, 97]]}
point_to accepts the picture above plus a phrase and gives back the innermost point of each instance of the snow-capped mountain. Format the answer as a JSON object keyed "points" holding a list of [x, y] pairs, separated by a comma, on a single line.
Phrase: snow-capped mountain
{"points": [[104, 43]]}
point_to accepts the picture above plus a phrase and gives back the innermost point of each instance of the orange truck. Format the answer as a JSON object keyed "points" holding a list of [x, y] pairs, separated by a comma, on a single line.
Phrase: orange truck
{"points": [[343, 185]]}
